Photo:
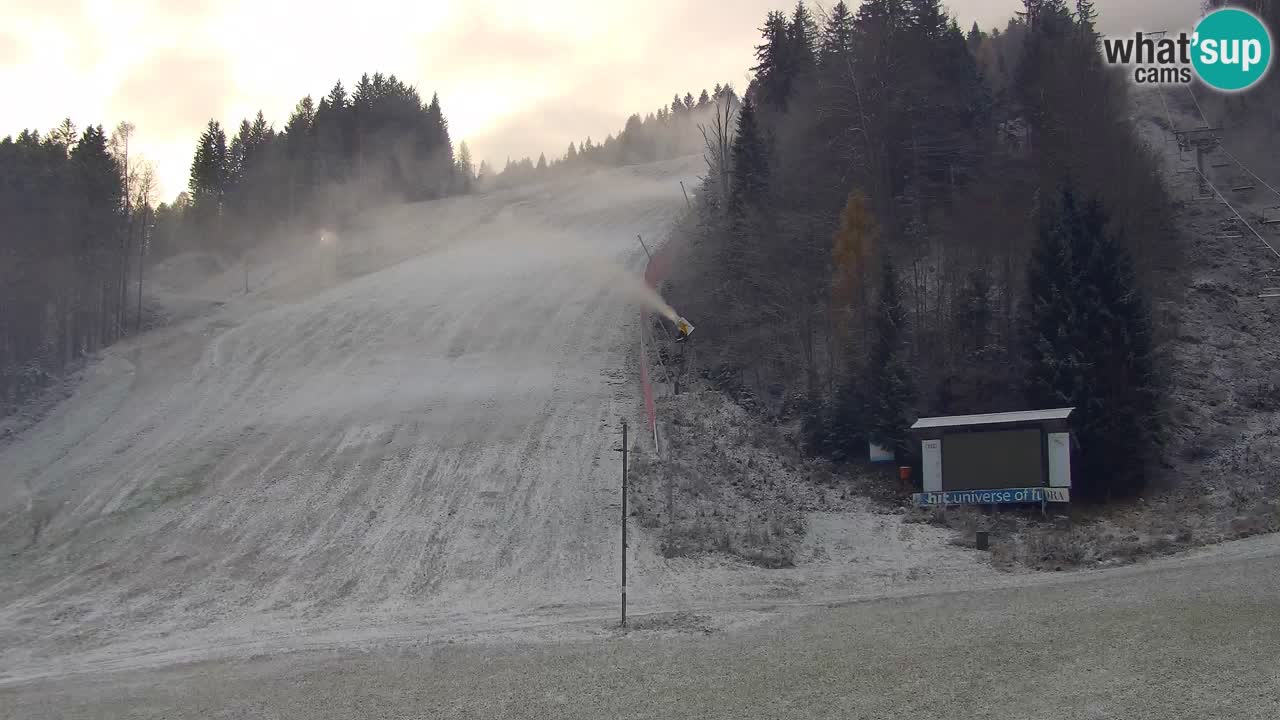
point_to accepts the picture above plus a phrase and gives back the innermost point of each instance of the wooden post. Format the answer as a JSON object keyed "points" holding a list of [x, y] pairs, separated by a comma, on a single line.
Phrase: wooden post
{"points": [[686, 195]]}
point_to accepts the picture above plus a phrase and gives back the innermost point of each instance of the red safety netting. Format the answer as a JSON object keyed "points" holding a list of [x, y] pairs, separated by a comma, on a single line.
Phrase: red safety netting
{"points": [[655, 272]]}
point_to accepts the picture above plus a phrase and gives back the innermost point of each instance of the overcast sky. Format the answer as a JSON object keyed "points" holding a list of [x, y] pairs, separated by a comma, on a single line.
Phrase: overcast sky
{"points": [[515, 77]]}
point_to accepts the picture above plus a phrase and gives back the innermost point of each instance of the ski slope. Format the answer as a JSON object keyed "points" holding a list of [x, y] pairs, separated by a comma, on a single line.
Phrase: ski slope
{"points": [[403, 430]]}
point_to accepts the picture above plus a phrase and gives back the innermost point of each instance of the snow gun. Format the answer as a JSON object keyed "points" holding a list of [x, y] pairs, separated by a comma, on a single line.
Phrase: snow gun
{"points": [[683, 328]]}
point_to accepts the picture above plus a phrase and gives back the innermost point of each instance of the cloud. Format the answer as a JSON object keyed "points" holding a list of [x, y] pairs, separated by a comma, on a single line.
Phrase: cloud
{"points": [[1123, 17], [482, 43], [174, 90], [516, 78], [10, 49]]}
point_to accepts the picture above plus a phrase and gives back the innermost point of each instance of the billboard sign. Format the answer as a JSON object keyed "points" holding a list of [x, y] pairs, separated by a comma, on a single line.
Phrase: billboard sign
{"points": [[999, 496]]}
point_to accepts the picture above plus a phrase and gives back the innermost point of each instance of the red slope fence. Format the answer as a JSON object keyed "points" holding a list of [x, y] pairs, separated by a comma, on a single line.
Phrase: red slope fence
{"points": [[655, 272]]}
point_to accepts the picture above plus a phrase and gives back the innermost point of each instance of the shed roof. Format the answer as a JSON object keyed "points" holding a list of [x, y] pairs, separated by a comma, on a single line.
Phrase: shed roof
{"points": [[993, 418]]}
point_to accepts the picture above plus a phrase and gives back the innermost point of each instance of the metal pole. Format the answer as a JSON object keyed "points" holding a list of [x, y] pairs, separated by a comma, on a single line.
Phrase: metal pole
{"points": [[624, 523], [142, 249], [646, 249], [686, 195]]}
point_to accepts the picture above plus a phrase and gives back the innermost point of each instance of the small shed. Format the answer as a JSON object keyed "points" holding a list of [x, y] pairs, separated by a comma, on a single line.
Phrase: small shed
{"points": [[995, 458]]}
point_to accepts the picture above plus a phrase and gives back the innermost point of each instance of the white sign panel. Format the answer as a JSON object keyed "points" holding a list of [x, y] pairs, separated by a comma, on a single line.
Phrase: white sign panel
{"points": [[1057, 494], [931, 460], [1060, 459], [878, 453]]}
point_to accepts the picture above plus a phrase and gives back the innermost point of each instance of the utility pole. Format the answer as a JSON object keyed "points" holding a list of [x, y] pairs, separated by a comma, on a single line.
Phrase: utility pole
{"points": [[623, 450]]}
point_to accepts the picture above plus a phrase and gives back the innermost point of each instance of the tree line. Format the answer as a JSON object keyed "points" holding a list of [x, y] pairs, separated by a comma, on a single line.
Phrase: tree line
{"points": [[76, 209], [81, 221], [906, 219], [379, 143], [667, 133]]}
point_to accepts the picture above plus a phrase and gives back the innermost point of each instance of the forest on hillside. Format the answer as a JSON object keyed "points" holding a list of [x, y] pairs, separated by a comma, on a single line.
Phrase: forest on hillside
{"points": [[85, 221], [669, 132], [82, 222], [908, 219]]}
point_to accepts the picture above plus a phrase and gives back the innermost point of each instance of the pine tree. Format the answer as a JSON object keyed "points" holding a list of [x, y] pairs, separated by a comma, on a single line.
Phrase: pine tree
{"points": [[750, 173], [1086, 18], [542, 162], [209, 173], [704, 99], [337, 96], [837, 45], [774, 67], [299, 148], [97, 218], [974, 39], [803, 35], [889, 386], [65, 136], [1089, 342], [571, 154], [928, 18]]}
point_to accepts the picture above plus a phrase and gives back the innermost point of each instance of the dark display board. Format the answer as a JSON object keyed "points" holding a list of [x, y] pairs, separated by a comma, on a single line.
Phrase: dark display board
{"points": [[994, 459]]}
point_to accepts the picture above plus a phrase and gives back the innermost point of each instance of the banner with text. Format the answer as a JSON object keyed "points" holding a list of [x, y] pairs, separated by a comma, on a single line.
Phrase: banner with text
{"points": [[1002, 496]]}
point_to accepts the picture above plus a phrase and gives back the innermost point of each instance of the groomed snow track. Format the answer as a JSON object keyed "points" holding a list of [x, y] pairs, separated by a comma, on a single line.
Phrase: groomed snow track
{"points": [[405, 434]]}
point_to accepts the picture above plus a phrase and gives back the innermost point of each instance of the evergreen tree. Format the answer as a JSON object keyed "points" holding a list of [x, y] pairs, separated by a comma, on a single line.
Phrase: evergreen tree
{"points": [[889, 386], [837, 40], [803, 35], [974, 39], [65, 135], [97, 219], [774, 68], [704, 99], [750, 168], [1086, 18], [928, 18], [299, 148], [1090, 346], [542, 162], [210, 170]]}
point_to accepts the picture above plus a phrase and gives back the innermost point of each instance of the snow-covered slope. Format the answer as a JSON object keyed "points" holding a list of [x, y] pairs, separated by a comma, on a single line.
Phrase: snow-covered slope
{"points": [[408, 426]]}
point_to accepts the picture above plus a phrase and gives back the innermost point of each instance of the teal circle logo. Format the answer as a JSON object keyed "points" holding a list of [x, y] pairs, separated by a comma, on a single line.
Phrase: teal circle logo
{"points": [[1231, 49]]}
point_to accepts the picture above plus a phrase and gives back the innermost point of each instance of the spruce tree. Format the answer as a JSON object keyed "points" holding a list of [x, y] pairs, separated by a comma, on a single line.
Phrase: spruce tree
{"points": [[749, 183], [837, 40], [803, 35], [209, 173], [774, 67], [889, 388], [1090, 347], [974, 39]]}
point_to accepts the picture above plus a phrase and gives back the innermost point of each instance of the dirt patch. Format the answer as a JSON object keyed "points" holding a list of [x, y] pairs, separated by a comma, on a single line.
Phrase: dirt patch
{"points": [[729, 482], [680, 622]]}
